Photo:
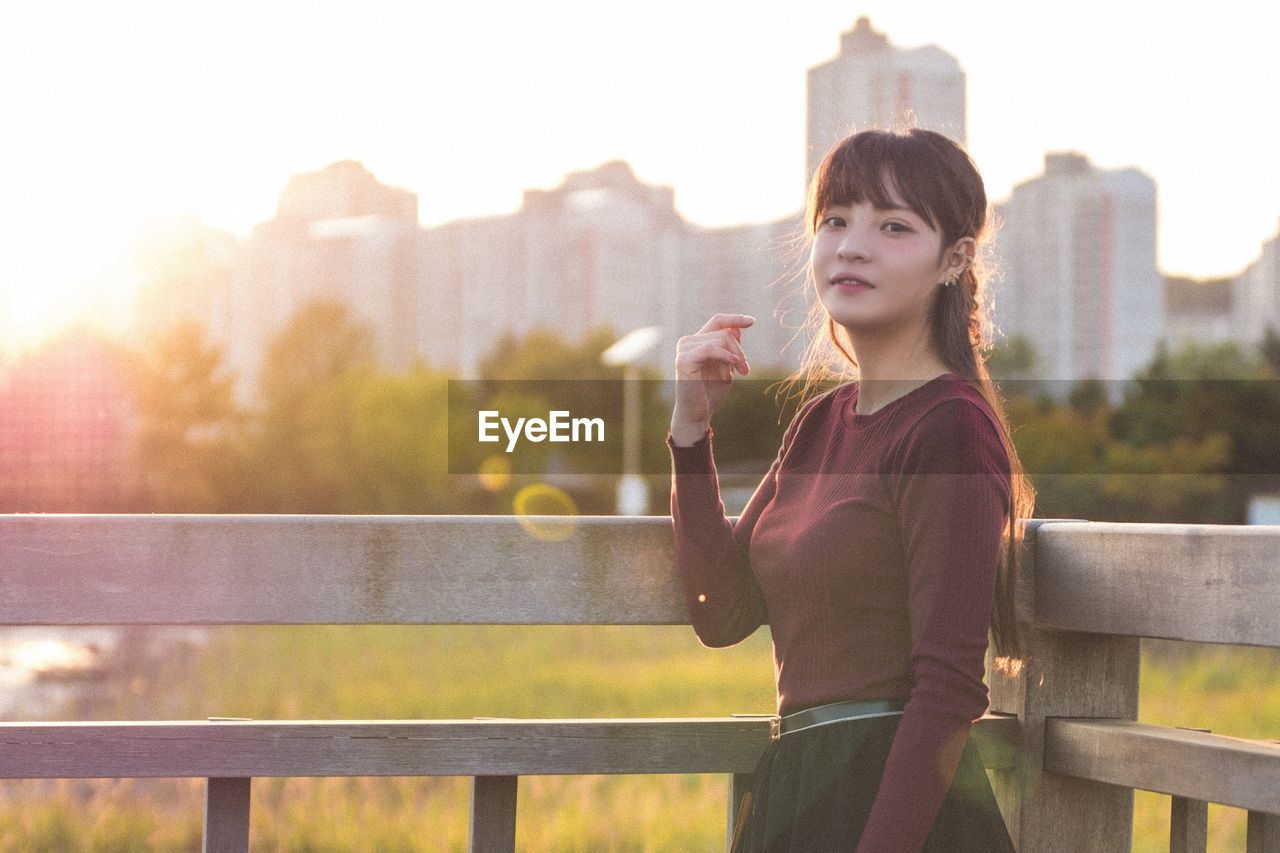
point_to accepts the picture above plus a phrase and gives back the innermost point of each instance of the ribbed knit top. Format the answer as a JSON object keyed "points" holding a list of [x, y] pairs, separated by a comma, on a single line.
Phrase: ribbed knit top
{"points": [[870, 548]]}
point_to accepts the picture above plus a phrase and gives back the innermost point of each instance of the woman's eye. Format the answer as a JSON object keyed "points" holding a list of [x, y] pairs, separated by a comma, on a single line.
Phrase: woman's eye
{"points": [[898, 225], [832, 220]]}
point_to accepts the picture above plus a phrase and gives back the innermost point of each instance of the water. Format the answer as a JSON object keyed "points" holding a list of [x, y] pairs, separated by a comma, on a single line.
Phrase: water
{"points": [[41, 668]]}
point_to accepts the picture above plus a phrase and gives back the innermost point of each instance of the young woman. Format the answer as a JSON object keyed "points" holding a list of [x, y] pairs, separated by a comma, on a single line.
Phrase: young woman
{"points": [[878, 546]]}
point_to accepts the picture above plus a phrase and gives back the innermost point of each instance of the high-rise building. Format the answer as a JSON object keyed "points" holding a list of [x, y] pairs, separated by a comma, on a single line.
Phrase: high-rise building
{"points": [[873, 84], [602, 249], [1078, 277], [339, 235], [185, 271], [751, 269], [1256, 294], [1198, 311]]}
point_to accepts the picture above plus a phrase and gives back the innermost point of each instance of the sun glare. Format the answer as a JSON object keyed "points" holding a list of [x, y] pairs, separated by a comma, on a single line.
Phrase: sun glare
{"points": [[44, 290], [27, 319], [31, 316]]}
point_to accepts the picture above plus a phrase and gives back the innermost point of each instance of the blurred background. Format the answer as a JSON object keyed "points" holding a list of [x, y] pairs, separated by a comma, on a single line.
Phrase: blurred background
{"points": [[244, 248]]}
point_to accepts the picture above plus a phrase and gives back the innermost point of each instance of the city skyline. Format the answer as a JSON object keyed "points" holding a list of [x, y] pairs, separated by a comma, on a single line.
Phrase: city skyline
{"points": [[744, 100]]}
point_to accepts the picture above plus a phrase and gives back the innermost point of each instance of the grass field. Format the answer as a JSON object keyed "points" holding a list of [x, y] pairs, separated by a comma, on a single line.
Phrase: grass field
{"points": [[460, 672]]}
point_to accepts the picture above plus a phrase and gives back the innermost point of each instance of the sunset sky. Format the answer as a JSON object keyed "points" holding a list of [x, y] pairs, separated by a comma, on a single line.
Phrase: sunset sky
{"points": [[118, 114]]}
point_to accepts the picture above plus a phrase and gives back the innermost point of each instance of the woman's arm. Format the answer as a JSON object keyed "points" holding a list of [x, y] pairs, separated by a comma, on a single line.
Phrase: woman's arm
{"points": [[724, 601], [951, 488]]}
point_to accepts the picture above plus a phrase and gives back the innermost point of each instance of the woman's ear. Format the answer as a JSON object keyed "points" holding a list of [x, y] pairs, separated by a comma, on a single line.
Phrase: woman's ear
{"points": [[959, 256]]}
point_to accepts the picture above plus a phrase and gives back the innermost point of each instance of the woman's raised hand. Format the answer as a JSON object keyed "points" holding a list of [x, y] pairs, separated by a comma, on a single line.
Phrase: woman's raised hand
{"points": [[705, 362]]}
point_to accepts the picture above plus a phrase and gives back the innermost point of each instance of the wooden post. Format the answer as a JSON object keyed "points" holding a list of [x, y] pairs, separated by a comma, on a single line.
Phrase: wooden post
{"points": [[1188, 820], [226, 815], [1263, 833], [1067, 674], [493, 814], [1188, 826], [739, 785]]}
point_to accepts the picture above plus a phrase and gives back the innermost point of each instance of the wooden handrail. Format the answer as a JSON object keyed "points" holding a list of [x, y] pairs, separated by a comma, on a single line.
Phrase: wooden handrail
{"points": [[1215, 768], [332, 570], [1061, 740], [1204, 583]]}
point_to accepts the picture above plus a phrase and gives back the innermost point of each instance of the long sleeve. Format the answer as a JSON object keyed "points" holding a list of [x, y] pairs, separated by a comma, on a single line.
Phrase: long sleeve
{"points": [[952, 494], [724, 600], [725, 604]]}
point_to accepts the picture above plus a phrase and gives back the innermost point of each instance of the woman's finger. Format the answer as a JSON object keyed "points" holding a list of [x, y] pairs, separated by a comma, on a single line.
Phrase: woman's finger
{"points": [[734, 345], [722, 338], [734, 322], [706, 352]]}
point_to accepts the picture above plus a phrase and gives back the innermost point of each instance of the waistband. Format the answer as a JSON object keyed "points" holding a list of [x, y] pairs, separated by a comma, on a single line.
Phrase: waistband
{"points": [[835, 712]]}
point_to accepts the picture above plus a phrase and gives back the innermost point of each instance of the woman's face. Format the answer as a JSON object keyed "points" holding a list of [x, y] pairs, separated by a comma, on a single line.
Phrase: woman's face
{"points": [[892, 253]]}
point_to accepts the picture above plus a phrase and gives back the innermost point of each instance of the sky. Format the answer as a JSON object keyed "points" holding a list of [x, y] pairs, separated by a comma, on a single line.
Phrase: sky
{"points": [[117, 116]]}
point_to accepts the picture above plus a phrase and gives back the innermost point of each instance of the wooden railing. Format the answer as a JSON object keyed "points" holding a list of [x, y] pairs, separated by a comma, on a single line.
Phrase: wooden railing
{"points": [[1061, 741], [1095, 591]]}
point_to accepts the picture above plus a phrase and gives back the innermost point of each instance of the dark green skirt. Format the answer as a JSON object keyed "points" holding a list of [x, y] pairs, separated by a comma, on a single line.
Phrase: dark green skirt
{"points": [[813, 791]]}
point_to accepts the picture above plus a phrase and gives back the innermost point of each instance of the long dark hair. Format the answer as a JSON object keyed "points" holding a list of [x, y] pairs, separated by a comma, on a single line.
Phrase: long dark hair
{"points": [[940, 182]]}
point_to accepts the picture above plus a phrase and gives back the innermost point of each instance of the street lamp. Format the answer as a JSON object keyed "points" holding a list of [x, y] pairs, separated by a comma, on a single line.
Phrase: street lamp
{"points": [[633, 494]]}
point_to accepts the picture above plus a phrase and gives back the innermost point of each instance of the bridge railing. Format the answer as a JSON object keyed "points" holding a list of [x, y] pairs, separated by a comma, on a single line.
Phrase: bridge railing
{"points": [[1061, 740], [1096, 590]]}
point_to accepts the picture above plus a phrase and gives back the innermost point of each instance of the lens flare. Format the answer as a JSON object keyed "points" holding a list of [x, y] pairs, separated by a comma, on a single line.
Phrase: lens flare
{"points": [[495, 473], [534, 504]]}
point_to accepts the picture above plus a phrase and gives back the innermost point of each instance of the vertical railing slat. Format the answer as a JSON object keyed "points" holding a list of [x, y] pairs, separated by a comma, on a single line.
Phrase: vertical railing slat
{"points": [[739, 785], [1263, 833], [226, 815], [1188, 826], [493, 814], [1067, 674]]}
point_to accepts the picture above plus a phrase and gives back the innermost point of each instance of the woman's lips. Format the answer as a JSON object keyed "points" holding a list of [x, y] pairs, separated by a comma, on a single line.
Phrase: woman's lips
{"points": [[851, 286]]}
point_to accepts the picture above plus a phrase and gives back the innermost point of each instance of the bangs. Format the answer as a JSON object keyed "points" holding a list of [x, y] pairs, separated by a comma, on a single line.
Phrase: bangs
{"points": [[868, 165]]}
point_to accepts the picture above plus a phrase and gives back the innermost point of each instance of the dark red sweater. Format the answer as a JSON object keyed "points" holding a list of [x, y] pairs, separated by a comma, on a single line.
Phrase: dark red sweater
{"points": [[870, 548]]}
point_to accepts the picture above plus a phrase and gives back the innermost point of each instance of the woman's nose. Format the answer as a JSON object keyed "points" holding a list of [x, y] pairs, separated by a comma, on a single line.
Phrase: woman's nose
{"points": [[851, 247]]}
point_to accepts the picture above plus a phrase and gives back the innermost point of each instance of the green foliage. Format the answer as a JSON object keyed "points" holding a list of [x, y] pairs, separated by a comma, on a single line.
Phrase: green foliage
{"points": [[1013, 359], [533, 375], [312, 372], [370, 442], [188, 432], [1269, 349], [320, 344], [1191, 440], [1216, 410], [751, 421], [1088, 397], [1081, 471], [457, 672], [428, 672], [339, 434], [544, 355]]}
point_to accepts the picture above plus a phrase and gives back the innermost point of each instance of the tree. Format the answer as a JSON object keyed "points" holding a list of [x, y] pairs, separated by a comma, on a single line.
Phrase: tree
{"points": [[1081, 471], [1206, 390], [189, 431], [1013, 359], [317, 361], [1269, 349], [1088, 396], [320, 343]]}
